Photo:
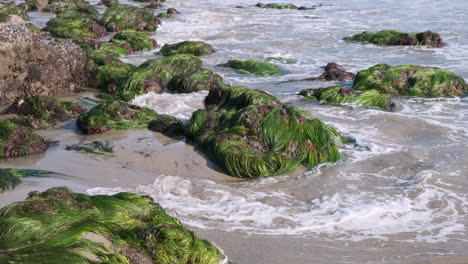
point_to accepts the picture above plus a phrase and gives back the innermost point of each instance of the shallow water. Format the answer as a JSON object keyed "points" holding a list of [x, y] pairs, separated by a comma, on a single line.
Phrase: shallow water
{"points": [[400, 195]]}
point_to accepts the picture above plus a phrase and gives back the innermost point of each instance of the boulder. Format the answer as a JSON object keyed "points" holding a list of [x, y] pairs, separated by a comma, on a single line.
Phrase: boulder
{"points": [[13, 9], [167, 125], [137, 40], [76, 26], [335, 72], [170, 13], [120, 17], [396, 38], [17, 140], [67, 227], [260, 68], [31, 66], [196, 48], [252, 134], [410, 80], [202, 79]]}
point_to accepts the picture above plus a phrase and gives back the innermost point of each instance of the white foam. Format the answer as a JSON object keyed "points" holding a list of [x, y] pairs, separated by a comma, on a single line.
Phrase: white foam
{"points": [[180, 106]]}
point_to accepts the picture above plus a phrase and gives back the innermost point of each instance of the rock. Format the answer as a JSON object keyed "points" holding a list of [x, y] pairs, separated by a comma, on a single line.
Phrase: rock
{"points": [[114, 115], [16, 140], [13, 9], [154, 5], [196, 48], [170, 13], [396, 38], [167, 125], [75, 26], [410, 80], [67, 227], [10, 178], [156, 74], [31, 66], [202, 79], [109, 3], [109, 77], [76, 6], [137, 40], [335, 72], [36, 5], [119, 17], [260, 68], [341, 95], [13, 20], [286, 6], [252, 134], [45, 109]]}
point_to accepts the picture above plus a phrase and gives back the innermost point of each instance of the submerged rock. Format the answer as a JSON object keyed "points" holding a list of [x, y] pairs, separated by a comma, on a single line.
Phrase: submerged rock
{"points": [[120, 17], [10, 178], [196, 48], [252, 134], [335, 72], [341, 95], [13, 9], [396, 38], [167, 125], [30, 66], [285, 6], [260, 68], [170, 13], [45, 109], [156, 74], [114, 115], [410, 80], [58, 226], [16, 140]]}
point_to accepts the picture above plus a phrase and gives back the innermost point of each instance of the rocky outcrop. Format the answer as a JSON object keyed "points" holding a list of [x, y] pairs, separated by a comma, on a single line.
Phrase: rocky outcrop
{"points": [[334, 72], [396, 38], [252, 134], [59, 226], [31, 66]]}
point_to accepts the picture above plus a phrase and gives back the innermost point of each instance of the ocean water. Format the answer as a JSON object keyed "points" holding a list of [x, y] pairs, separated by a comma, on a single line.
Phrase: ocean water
{"points": [[405, 181], [400, 194]]}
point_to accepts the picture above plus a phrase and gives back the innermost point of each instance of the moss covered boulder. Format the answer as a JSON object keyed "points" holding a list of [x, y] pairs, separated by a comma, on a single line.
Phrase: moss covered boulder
{"points": [[410, 80], [396, 38], [109, 77], [120, 17], [156, 74], [202, 79], [13, 9], [167, 125], [75, 26], [170, 13], [137, 40], [284, 6], [260, 68], [196, 48], [46, 109], [114, 115], [341, 95], [58, 226], [10, 178], [252, 134], [17, 140], [64, 6]]}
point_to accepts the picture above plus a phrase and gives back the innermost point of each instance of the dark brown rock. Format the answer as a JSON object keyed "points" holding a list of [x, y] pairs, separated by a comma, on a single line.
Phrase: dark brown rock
{"points": [[334, 72]]}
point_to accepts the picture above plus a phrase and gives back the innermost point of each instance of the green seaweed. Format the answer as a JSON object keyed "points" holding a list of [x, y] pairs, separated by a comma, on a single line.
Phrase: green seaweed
{"points": [[167, 125], [410, 80], [137, 40], [252, 134], [196, 48], [58, 226], [114, 115], [13, 9], [10, 178], [17, 140], [202, 79], [260, 68], [396, 38], [74, 25], [120, 17], [95, 147]]}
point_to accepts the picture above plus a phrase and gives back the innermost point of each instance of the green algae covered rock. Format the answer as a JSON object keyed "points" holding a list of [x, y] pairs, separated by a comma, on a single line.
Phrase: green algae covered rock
{"points": [[137, 40], [62, 6], [260, 68], [17, 140], [58, 226], [196, 48], [120, 17], [13, 9], [285, 6], [252, 134], [167, 125], [202, 79], [10, 178], [396, 38], [170, 13], [110, 76], [114, 115], [340, 95], [45, 109], [75, 26], [410, 80], [155, 75]]}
